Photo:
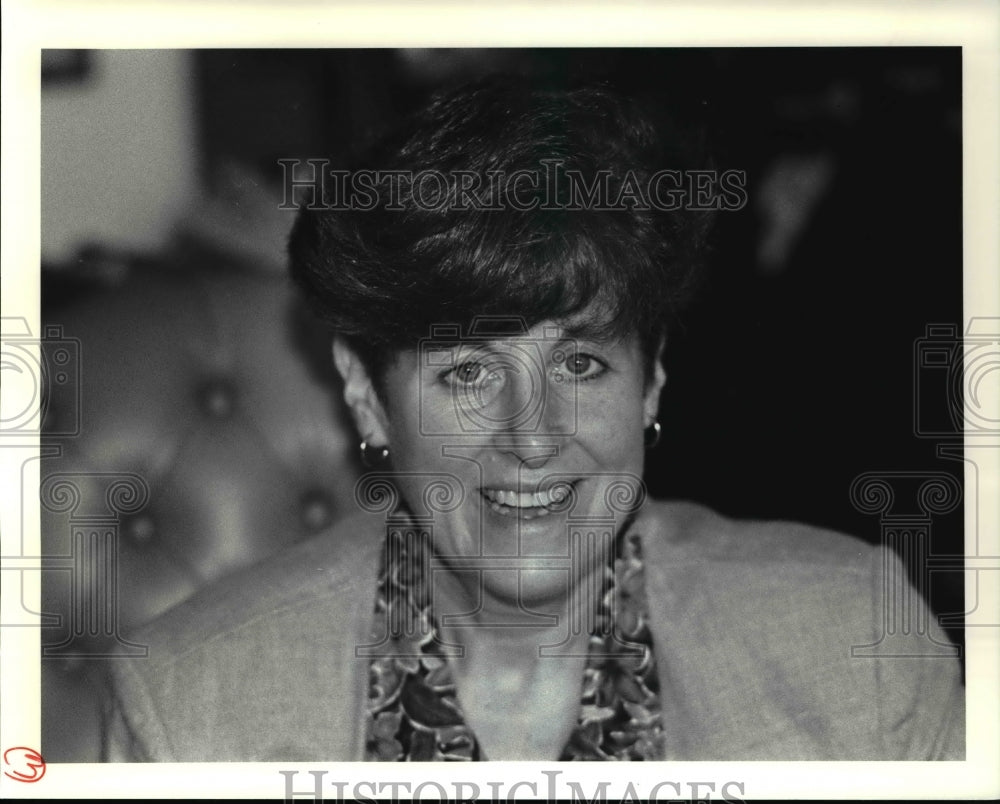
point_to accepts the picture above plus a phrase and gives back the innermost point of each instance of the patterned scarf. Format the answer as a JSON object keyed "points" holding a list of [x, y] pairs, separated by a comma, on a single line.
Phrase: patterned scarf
{"points": [[413, 713]]}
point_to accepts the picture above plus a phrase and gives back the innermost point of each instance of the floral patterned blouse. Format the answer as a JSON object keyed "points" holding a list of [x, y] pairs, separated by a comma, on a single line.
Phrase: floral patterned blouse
{"points": [[413, 713]]}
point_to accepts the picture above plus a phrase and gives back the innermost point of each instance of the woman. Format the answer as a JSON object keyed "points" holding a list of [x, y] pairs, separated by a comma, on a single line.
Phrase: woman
{"points": [[501, 278]]}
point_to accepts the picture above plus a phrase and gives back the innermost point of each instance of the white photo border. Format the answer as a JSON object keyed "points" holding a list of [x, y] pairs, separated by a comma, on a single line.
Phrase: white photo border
{"points": [[30, 27]]}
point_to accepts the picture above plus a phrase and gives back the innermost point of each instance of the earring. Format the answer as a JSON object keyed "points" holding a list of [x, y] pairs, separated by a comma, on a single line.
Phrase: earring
{"points": [[651, 435], [373, 462]]}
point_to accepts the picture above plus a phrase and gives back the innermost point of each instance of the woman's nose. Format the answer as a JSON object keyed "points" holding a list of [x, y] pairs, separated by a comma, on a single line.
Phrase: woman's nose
{"points": [[530, 414]]}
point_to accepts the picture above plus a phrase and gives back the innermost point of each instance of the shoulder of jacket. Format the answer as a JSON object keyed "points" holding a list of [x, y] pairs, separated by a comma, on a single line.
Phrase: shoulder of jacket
{"points": [[685, 532], [330, 572]]}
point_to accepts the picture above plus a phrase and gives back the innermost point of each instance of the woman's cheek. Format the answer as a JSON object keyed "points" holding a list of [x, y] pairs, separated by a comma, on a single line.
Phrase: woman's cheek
{"points": [[609, 427]]}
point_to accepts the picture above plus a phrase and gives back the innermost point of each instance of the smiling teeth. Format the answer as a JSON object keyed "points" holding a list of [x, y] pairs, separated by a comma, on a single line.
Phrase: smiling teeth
{"points": [[537, 499]]}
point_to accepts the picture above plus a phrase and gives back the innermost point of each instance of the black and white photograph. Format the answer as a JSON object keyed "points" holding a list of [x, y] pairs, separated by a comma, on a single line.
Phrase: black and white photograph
{"points": [[502, 404]]}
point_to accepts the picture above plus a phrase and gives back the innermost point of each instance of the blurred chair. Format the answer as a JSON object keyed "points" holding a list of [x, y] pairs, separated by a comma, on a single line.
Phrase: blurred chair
{"points": [[197, 427]]}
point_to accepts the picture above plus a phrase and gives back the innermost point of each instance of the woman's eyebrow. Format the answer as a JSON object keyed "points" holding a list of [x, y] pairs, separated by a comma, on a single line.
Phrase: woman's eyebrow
{"points": [[589, 333], [441, 353]]}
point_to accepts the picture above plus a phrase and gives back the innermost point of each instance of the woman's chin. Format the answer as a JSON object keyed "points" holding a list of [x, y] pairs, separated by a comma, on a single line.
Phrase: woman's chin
{"points": [[522, 560]]}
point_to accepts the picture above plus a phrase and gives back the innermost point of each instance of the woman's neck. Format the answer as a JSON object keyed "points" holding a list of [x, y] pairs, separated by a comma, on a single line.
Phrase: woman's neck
{"points": [[519, 686]]}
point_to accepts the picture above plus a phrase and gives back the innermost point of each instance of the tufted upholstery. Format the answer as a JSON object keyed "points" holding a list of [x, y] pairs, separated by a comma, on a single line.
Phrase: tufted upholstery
{"points": [[210, 435]]}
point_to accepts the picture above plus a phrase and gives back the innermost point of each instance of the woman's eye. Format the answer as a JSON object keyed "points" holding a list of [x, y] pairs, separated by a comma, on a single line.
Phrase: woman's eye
{"points": [[584, 367], [469, 373]]}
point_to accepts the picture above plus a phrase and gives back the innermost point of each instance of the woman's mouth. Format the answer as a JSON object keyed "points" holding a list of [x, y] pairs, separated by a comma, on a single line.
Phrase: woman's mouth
{"points": [[527, 505]]}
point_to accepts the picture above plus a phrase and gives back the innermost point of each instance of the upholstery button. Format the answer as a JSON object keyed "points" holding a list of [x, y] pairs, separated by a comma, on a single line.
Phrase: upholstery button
{"points": [[217, 398], [316, 509], [140, 529]]}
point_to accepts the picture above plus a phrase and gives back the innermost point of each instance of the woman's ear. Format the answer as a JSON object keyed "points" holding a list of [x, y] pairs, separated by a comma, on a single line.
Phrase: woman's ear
{"points": [[359, 394], [657, 378]]}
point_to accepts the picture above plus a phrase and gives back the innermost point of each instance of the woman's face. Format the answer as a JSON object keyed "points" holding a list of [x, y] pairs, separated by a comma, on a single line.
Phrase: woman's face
{"points": [[539, 436]]}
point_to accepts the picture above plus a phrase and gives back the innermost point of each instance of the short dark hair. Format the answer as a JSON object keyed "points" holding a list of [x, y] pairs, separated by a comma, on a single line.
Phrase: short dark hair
{"points": [[383, 275]]}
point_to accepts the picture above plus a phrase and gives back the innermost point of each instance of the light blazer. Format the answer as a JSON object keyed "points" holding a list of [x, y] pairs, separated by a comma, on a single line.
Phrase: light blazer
{"points": [[753, 624]]}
